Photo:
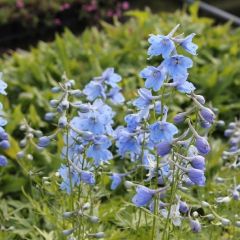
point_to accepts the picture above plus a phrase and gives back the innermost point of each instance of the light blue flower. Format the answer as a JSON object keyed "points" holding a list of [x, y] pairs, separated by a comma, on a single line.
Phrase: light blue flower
{"points": [[144, 100], [160, 45], [127, 142], [185, 87], [115, 95], [110, 77], [188, 45], [99, 150], [154, 76], [177, 66], [116, 180], [162, 131], [143, 196], [94, 90]]}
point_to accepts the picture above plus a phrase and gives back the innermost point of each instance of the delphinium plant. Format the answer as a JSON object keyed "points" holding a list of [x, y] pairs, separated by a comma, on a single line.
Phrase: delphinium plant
{"points": [[167, 155], [4, 139], [85, 125]]}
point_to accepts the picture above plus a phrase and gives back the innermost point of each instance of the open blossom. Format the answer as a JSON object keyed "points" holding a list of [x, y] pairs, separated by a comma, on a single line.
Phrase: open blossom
{"points": [[154, 76], [162, 131], [143, 196], [160, 45]]}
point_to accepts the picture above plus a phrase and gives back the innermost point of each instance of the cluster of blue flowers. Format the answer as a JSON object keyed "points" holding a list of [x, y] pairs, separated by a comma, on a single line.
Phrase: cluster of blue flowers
{"points": [[87, 126], [4, 141], [170, 155]]}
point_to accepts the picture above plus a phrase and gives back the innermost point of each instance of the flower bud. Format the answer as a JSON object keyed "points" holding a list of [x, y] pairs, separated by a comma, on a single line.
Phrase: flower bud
{"points": [[4, 144], [54, 103], [225, 221], [23, 143], [93, 219], [68, 214], [237, 223], [3, 161], [210, 217], [179, 118], [20, 154], [86, 206], [205, 204], [235, 195], [195, 226], [163, 148], [62, 123], [228, 132], [207, 115], [56, 89], [44, 141], [97, 235], [30, 157], [68, 232], [183, 207], [49, 116], [200, 99], [198, 162], [202, 145], [65, 104], [3, 135], [205, 124]]}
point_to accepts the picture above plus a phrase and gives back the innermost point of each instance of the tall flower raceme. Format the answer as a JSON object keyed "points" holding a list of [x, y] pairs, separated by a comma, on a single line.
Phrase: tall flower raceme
{"points": [[4, 141], [169, 155], [86, 127]]}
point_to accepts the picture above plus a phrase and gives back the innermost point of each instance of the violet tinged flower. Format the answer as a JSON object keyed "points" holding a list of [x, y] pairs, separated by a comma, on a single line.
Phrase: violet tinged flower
{"points": [[99, 150], [110, 77], [154, 76], [144, 100], [115, 96], [205, 124], [196, 176], [116, 180], [94, 90], [44, 141], [162, 131], [198, 162], [164, 148], [127, 143], [3, 161], [177, 66], [202, 145], [195, 226], [143, 196], [87, 177], [179, 118], [160, 45], [188, 45], [3, 85], [207, 114], [183, 207]]}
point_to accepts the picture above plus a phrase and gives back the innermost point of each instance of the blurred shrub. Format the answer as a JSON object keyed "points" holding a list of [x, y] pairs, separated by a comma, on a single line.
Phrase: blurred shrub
{"points": [[35, 13]]}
